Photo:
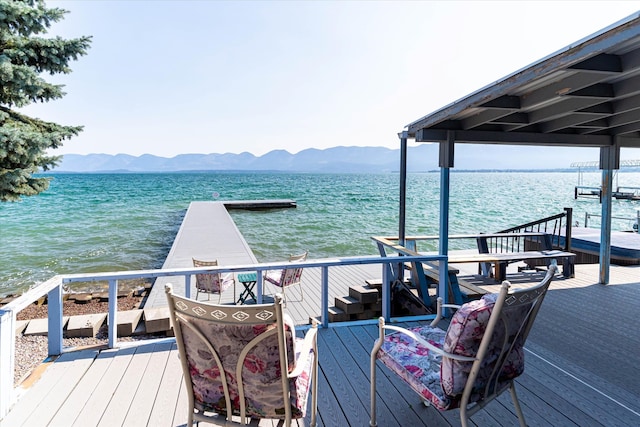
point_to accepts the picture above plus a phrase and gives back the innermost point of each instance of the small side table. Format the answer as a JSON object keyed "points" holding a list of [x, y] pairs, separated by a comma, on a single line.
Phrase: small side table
{"points": [[248, 280]]}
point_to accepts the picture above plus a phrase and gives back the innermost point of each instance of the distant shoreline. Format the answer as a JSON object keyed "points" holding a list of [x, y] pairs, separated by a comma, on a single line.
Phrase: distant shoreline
{"points": [[227, 171]]}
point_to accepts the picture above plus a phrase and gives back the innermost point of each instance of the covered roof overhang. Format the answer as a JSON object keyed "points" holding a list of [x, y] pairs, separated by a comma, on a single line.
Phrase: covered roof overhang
{"points": [[585, 95]]}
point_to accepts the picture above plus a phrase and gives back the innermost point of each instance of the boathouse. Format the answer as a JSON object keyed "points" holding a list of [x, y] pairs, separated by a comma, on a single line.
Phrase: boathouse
{"points": [[584, 95]]}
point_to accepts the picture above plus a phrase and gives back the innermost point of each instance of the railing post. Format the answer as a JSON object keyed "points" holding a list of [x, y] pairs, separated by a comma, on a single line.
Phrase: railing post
{"points": [[7, 359], [567, 233], [259, 286], [113, 309], [386, 292], [54, 325], [187, 286], [324, 315]]}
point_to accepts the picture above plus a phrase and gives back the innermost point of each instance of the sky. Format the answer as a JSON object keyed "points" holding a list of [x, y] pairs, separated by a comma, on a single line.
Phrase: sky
{"points": [[177, 77]]}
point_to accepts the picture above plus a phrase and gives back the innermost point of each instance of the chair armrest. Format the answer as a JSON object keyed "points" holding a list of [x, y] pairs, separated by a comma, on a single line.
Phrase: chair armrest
{"points": [[439, 307], [308, 344], [428, 345]]}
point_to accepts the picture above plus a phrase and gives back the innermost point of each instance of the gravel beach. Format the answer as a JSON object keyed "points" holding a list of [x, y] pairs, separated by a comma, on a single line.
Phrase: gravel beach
{"points": [[31, 351]]}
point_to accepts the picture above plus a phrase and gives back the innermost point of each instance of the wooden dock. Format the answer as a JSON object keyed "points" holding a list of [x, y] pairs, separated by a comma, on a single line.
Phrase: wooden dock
{"points": [[208, 232], [585, 242], [581, 370]]}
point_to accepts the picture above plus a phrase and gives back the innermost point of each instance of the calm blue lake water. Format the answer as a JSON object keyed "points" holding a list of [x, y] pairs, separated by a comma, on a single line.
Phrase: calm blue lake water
{"points": [[108, 222]]}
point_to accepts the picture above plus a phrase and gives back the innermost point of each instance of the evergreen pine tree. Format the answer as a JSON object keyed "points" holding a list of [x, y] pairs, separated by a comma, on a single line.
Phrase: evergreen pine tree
{"points": [[25, 56]]}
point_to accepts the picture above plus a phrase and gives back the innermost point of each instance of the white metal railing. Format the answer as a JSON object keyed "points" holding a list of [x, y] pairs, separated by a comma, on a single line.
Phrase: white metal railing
{"points": [[635, 225], [53, 288]]}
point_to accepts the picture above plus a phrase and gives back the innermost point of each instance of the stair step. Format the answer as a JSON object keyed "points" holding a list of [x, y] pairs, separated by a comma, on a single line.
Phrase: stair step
{"points": [[374, 283], [85, 325], [337, 315], [157, 319], [349, 305], [41, 326], [128, 322], [364, 293]]}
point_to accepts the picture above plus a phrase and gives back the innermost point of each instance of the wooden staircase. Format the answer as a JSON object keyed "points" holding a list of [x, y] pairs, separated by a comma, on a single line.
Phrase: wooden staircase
{"points": [[363, 302]]}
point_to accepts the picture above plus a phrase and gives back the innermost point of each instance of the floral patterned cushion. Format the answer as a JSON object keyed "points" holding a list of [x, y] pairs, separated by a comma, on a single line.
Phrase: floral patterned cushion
{"points": [[463, 338], [214, 283], [261, 370], [415, 364], [441, 381], [284, 278]]}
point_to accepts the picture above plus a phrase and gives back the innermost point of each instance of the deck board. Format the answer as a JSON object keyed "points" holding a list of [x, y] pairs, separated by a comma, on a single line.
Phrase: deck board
{"points": [[146, 393], [386, 408], [343, 390], [91, 412], [58, 381], [166, 399], [79, 397], [121, 402]]}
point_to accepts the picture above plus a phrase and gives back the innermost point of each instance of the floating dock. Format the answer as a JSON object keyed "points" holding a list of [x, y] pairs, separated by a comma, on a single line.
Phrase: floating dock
{"points": [[585, 242], [260, 204]]}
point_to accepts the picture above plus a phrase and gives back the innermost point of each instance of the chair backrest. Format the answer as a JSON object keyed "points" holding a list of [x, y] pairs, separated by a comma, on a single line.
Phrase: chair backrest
{"points": [[233, 357], [207, 282], [494, 330], [299, 258], [292, 276]]}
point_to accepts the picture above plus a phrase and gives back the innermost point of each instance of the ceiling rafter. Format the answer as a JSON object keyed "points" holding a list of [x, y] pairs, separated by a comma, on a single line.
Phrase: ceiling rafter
{"points": [[586, 94]]}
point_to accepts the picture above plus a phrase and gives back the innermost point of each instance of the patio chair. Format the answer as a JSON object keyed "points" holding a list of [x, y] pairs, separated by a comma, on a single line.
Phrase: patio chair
{"points": [[244, 363], [287, 277], [213, 283], [471, 363]]}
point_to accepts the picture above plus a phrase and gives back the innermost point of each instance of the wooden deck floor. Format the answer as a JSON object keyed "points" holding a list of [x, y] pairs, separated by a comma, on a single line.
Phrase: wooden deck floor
{"points": [[581, 371]]}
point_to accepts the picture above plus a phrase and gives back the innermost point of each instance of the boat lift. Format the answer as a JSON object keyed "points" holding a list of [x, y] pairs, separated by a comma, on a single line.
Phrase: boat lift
{"points": [[622, 193]]}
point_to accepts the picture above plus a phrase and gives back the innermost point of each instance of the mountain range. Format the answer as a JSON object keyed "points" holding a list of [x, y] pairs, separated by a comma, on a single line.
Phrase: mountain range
{"points": [[420, 158]]}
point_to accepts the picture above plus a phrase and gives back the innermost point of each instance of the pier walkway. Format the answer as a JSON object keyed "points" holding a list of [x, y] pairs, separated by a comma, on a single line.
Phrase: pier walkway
{"points": [[209, 233]]}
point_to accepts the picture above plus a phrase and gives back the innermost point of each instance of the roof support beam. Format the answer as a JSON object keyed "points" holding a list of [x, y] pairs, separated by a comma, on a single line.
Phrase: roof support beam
{"points": [[603, 63], [593, 124], [560, 109], [625, 118], [505, 102], [514, 138], [600, 91], [484, 117], [555, 90], [575, 119]]}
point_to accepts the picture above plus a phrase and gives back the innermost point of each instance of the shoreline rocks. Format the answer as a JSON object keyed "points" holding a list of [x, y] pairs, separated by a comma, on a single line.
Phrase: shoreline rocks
{"points": [[32, 350]]}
